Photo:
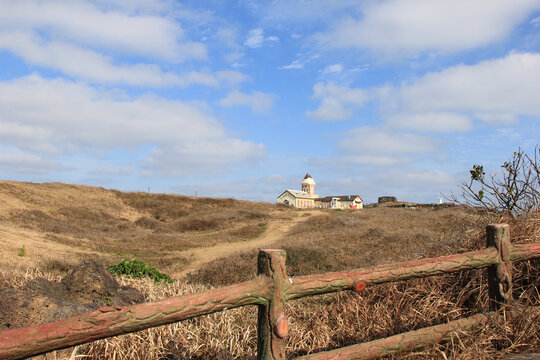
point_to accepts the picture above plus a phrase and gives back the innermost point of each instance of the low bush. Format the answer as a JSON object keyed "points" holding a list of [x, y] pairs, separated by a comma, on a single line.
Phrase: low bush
{"points": [[138, 269], [148, 223]]}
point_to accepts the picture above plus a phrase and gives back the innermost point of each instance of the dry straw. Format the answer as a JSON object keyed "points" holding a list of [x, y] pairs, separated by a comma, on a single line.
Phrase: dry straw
{"points": [[336, 320]]}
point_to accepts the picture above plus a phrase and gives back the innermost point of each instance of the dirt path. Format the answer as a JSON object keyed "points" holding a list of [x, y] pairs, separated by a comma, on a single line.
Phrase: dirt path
{"points": [[275, 231]]}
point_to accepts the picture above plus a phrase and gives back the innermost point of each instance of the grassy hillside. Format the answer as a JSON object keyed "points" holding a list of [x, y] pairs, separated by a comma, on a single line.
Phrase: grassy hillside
{"points": [[59, 224], [340, 240]]}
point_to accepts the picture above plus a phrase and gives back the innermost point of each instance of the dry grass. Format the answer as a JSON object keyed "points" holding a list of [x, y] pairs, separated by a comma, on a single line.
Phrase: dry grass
{"points": [[335, 320], [330, 241], [111, 225], [342, 240]]}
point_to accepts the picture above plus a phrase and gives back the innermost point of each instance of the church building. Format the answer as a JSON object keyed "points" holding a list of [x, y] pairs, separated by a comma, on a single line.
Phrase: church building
{"points": [[300, 199], [306, 198]]}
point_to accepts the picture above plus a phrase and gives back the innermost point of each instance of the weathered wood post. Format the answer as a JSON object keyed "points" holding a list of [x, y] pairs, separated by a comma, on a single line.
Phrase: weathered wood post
{"points": [[499, 275], [272, 322]]}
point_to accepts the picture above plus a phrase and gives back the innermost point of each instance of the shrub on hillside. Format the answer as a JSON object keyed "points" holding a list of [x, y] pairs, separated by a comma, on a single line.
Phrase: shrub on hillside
{"points": [[138, 269]]}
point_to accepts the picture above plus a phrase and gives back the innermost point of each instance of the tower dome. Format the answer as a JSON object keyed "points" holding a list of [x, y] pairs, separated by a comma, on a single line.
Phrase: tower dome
{"points": [[308, 180], [308, 185]]}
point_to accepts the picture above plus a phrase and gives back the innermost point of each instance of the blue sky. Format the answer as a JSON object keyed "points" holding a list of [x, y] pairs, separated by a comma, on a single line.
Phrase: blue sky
{"points": [[241, 99]]}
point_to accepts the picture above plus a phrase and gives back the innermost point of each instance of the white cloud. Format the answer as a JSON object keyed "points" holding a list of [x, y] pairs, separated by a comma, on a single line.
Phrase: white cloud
{"points": [[233, 77], [228, 36], [362, 160], [335, 68], [95, 67], [28, 163], [300, 62], [371, 141], [407, 27], [61, 117], [406, 183], [444, 122], [258, 101], [256, 38], [336, 101], [118, 170], [498, 90], [331, 109], [535, 22], [135, 6], [83, 22], [296, 64], [265, 188], [497, 118], [203, 157]]}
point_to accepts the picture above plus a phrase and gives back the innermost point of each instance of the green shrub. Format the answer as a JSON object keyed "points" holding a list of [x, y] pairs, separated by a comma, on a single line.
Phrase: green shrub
{"points": [[138, 269]]}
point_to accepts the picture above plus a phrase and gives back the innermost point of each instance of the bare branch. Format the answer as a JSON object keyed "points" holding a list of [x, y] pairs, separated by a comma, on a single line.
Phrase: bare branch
{"points": [[515, 190]]}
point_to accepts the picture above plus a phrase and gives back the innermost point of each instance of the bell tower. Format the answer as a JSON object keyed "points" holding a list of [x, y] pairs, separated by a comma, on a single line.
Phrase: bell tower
{"points": [[308, 185]]}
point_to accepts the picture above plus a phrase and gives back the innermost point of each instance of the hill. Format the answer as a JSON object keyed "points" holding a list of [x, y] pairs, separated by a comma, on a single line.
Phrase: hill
{"points": [[58, 225], [47, 229]]}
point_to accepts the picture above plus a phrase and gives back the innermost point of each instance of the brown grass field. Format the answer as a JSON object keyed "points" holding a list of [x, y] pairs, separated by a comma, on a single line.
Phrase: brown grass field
{"points": [[204, 242]]}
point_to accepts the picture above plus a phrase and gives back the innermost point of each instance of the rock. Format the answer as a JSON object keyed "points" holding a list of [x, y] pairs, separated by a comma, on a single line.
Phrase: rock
{"points": [[86, 288], [20, 308], [129, 296], [89, 282]]}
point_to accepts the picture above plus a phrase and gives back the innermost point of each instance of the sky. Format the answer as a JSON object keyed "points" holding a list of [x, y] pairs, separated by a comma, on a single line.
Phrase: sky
{"points": [[242, 98]]}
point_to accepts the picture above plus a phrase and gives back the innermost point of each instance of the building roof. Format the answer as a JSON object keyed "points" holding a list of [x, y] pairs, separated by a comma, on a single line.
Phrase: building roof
{"points": [[340, 197], [308, 180], [298, 194]]}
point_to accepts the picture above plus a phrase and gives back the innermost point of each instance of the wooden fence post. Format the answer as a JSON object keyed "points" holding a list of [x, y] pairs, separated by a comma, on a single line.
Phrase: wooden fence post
{"points": [[500, 275], [272, 322]]}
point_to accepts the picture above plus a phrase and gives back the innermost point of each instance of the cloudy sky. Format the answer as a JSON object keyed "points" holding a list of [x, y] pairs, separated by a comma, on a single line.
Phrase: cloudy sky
{"points": [[240, 99]]}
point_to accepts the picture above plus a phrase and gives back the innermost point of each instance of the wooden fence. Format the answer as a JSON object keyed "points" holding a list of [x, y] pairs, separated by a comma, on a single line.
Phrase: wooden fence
{"points": [[272, 288]]}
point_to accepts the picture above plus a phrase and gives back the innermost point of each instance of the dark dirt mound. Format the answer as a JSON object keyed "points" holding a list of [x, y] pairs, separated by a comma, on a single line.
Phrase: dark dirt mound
{"points": [[86, 288]]}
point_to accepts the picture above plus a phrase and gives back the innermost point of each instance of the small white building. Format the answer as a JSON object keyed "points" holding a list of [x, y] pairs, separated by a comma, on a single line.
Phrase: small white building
{"points": [[354, 202]]}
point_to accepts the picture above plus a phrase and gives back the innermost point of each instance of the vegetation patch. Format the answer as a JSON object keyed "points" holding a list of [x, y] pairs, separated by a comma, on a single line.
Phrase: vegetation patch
{"points": [[138, 269], [22, 252]]}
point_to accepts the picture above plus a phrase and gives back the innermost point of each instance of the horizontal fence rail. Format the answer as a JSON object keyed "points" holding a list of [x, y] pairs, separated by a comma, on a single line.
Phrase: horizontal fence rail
{"points": [[270, 290], [337, 281], [410, 340], [110, 321]]}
